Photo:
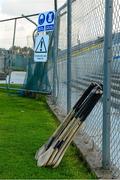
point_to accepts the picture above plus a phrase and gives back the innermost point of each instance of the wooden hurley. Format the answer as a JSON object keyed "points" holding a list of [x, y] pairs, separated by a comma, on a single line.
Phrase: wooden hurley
{"points": [[66, 121], [54, 152], [62, 151], [58, 151], [44, 157], [56, 158]]}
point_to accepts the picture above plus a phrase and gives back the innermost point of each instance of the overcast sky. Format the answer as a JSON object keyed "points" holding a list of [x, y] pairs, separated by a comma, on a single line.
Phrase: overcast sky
{"points": [[17, 7], [13, 8]]}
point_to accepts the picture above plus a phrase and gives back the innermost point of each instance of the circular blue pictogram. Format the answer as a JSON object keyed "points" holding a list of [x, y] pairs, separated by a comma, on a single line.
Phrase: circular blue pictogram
{"points": [[41, 19], [50, 17]]}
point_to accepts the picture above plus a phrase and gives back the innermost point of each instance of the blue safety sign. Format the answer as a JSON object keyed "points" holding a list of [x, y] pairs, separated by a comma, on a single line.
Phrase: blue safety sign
{"points": [[46, 21], [41, 19], [50, 17]]}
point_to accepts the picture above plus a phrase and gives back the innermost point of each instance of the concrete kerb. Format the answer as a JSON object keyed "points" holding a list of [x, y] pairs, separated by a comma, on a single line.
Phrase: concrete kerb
{"points": [[88, 150]]}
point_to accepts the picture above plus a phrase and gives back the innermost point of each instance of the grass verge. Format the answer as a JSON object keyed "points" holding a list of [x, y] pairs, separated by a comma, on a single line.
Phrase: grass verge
{"points": [[25, 125]]}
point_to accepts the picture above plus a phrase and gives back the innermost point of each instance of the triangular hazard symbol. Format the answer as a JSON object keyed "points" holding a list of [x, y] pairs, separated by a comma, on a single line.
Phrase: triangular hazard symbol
{"points": [[41, 47]]}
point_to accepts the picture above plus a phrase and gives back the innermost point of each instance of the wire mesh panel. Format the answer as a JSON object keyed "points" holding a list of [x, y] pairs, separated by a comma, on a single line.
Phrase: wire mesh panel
{"points": [[87, 57], [17, 56], [62, 60], [115, 91], [87, 66], [21, 52], [6, 31]]}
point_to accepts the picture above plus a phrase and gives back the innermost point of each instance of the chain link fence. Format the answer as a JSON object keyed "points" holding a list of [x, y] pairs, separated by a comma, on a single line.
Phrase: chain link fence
{"points": [[115, 90], [87, 65], [87, 58], [18, 70]]}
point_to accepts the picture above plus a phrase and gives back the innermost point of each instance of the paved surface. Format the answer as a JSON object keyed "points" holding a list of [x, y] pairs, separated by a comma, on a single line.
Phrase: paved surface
{"points": [[17, 77]]}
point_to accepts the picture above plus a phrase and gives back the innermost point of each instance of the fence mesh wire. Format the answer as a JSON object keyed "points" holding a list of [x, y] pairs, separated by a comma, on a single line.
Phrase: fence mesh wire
{"points": [[87, 57], [115, 91], [62, 56], [87, 66], [6, 31], [17, 67]]}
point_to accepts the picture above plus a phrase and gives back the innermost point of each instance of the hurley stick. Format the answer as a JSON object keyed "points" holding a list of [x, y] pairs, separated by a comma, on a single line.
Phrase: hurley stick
{"points": [[54, 136], [87, 106], [65, 135], [66, 121], [62, 151], [85, 113], [44, 157], [61, 143]]}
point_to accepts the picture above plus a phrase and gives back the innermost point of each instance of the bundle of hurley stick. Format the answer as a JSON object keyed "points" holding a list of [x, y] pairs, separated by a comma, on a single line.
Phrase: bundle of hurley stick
{"points": [[53, 151]]}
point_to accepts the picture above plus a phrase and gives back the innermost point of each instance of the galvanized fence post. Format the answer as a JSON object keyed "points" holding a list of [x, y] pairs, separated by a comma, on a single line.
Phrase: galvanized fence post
{"points": [[55, 58], [69, 46], [107, 84], [55, 5], [12, 51]]}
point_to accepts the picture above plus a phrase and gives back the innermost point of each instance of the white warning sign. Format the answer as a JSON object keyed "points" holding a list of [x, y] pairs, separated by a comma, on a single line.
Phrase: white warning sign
{"points": [[41, 48]]}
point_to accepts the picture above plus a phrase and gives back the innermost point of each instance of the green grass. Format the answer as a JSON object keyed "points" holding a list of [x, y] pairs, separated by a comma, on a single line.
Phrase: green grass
{"points": [[25, 125], [12, 85]]}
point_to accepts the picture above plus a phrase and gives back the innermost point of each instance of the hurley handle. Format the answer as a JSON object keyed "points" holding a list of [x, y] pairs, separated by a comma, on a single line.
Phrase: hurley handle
{"points": [[90, 106], [84, 95], [90, 101]]}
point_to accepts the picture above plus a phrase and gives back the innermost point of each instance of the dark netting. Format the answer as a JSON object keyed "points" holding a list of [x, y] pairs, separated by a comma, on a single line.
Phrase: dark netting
{"points": [[36, 78]]}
